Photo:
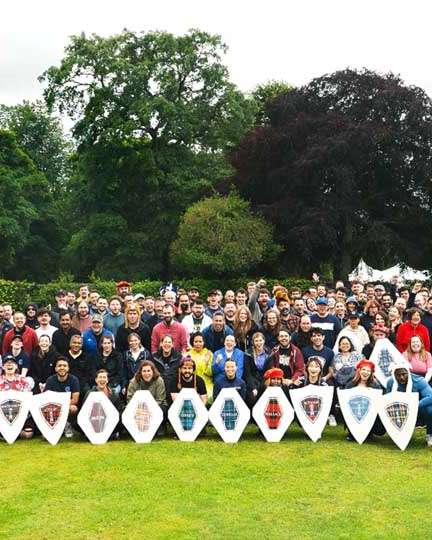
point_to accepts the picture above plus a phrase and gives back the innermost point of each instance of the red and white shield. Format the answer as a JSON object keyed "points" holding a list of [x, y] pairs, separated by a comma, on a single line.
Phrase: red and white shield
{"points": [[312, 406], [50, 411]]}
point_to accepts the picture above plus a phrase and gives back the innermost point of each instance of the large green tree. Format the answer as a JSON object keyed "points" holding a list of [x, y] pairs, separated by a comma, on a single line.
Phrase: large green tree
{"points": [[154, 115], [343, 169], [221, 236]]}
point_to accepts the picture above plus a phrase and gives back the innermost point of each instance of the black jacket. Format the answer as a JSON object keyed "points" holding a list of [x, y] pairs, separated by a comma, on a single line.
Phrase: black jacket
{"points": [[113, 364], [123, 333]]}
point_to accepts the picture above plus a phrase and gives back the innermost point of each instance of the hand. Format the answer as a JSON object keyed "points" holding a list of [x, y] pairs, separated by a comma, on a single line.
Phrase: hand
{"points": [[262, 283], [41, 386], [255, 392], [315, 276], [123, 391], [296, 382]]}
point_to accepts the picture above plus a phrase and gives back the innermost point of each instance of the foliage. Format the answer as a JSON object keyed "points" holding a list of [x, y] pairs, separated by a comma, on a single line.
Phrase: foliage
{"points": [[221, 236], [264, 94], [344, 169], [211, 490], [154, 114], [41, 136], [19, 293]]}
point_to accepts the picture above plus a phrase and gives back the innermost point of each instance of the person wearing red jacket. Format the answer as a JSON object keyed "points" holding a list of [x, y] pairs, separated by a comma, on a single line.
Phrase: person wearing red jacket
{"points": [[28, 335], [287, 357], [413, 327], [169, 326]]}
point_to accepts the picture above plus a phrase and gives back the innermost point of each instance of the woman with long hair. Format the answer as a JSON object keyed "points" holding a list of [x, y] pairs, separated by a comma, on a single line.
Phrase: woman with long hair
{"points": [[167, 361], [203, 361], [82, 320], [419, 358], [271, 328], [344, 362], [148, 378], [133, 357], [111, 360], [313, 373], [244, 328], [254, 361], [42, 363]]}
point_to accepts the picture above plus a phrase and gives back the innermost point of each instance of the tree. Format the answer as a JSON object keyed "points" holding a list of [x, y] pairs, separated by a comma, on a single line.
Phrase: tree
{"points": [[343, 170], [154, 115], [28, 229], [264, 95], [41, 136], [221, 236]]}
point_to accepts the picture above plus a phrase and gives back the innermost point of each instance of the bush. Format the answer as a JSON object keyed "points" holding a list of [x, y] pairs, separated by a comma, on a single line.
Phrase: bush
{"points": [[19, 293]]}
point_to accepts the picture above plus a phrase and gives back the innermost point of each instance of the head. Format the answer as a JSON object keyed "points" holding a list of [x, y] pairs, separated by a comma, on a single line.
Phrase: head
{"points": [[229, 296], [197, 341], [230, 369], [101, 379], [170, 297], [340, 309], [166, 345], [241, 297], [284, 339], [10, 366], [83, 309], [149, 304], [93, 298], [84, 292], [371, 308], [75, 344], [354, 320], [416, 346], [61, 366], [30, 311], [16, 343], [115, 305], [184, 303], [313, 368], [134, 341], [198, 308], [414, 316], [243, 315], [364, 372], [299, 306], [218, 322], [273, 377], [345, 345], [102, 304], [229, 343], [97, 324], [147, 372], [132, 315], [187, 368], [263, 297], [71, 298], [65, 321], [193, 294], [106, 344], [305, 323], [168, 314], [258, 341], [213, 299], [19, 320], [386, 301], [401, 375], [230, 311], [44, 342], [159, 304], [317, 338], [272, 321]]}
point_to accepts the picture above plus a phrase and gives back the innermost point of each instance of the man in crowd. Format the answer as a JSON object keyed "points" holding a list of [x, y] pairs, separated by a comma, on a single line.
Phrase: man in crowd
{"points": [[93, 336], [187, 378], [45, 326], [62, 336], [28, 335], [80, 365], [123, 288], [317, 348], [171, 327], [287, 357], [184, 308], [149, 308], [229, 312], [197, 320], [213, 304], [329, 324], [132, 323], [157, 316], [114, 318], [240, 297], [215, 334], [259, 301]]}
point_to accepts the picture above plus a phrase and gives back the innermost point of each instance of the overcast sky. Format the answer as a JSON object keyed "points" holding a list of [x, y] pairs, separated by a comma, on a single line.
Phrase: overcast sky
{"points": [[286, 40]]}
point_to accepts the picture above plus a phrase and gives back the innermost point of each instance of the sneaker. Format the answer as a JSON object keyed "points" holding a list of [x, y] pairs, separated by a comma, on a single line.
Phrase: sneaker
{"points": [[68, 431], [332, 421], [429, 439]]}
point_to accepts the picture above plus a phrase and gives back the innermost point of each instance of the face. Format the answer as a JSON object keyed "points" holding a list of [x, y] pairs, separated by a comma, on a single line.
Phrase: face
{"points": [[229, 296], [230, 369], [71, 298], [393, 313], [97, 327], [83, 309], [147, 373], [401, 375], [184, 302], [331, 303], [263, 298], [314, 368], [7, 311], [62, 368], [299, 305], [416, 344], [344, 345], [317, 340], [134, 342], [379, 293], [340, 309], [241, 298], [370, 292], [193, 295], [187, 370], [258, 342], [102, 304], [198, 310], [198, 343], [356, 288], [275, 381], [149, 305], [75, 344], [158, 307], [243, 315], [170, 297], [123, 290], [373, 310], [321, 290], [305, 324], [313, 292], [16, 344], [44, 319], [272, 319], [229, 343], [379, 335], [213, 300], [31, 312], [340, 295], [44, 343], [322, 309], [94, 297], [365, 373], [83, 292], [61, 299], [115, 307], [251, 287], [405, 295], [401, 304], [379, 319], [230, 310], [65, 322], [101, 379], [311, 304], [168, 313], [10, 368], [415, 318], [386, 301], [133, 316], [218, 323], [19, 320], [107, 345], [284, 339], [167, 344]]}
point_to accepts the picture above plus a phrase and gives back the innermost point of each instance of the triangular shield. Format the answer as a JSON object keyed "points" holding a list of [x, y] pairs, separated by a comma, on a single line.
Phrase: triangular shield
{"points": [[384, 355], [312, 406], [50, 412], [398, 413], [14, 409], [359, 409]]}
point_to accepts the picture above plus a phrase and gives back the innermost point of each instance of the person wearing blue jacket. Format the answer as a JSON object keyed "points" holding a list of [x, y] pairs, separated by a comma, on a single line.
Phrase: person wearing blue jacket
{"points": [[229, 352], [93, 336], [405, 381], [215, 334]]}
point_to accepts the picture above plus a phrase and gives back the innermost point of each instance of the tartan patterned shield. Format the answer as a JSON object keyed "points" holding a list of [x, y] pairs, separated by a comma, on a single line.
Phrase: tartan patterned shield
{"points": [[142, 416], [188, 414], [14, 408], [273, 413], [398, 413], [50, 412], [359, 408], [312, 406], [229, 415], [98, 417]]}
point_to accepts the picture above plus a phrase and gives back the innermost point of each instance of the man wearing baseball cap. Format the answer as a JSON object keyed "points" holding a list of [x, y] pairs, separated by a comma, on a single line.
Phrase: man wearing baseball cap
{"points": [[92, 336], [329, 324]]}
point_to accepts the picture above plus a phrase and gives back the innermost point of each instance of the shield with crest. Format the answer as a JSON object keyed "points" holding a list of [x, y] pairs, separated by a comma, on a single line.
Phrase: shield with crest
{"points": [[50, 411], [359, 409], [14, 409], [98, 417], [142, 416], [398, 412], [312, 406], [273, 413], [384, 355]]}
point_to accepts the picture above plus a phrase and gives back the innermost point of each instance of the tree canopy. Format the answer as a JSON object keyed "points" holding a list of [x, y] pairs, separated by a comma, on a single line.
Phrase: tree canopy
{"points": [[344, 168]]}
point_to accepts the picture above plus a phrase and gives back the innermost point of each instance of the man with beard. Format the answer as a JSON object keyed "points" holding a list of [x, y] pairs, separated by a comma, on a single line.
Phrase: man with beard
{"points": [[259, 302], [287, 357], [61, 337], [28, 335], [63, 381], [81, 365], [123, 288], [229, 312], [215, 334], [157, 317], [5, 322], [187, 378], [183, 307], [132, 323], [171, 327], [114, 318], [197, 320], [299, 308]]}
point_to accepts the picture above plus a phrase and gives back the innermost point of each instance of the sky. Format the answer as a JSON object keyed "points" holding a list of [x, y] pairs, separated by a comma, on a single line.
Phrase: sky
{"points": [[292, 41]]}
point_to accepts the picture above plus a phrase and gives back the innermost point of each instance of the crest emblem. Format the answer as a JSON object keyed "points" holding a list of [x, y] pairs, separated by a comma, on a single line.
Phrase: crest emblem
{"points": [[229, 414], [14, 409], [312, 407], [398, 413], [142, 416], [273, 413], [384, 355], [359, 406], [188, 414], [10, 409], [97, 417], [51, 413], [359, 409]]}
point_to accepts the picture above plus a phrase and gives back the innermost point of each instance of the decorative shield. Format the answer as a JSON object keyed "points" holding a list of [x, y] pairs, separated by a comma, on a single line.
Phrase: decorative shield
{"points": [[142, 416], [188, 414], [312, 406], [229, 414], [384, 355], [359, 409], [98, 418], [50, 412], [398, 413], [273, 413], [14, 408]]}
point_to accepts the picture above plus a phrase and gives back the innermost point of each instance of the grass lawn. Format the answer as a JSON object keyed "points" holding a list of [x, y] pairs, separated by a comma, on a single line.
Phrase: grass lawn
{"points": [[208, 489]]}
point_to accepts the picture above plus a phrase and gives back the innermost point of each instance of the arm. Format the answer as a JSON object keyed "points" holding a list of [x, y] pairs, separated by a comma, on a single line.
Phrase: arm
{"points": [[426, 338], [240, 363], [184, 338], [74, 399], [154, 340]]}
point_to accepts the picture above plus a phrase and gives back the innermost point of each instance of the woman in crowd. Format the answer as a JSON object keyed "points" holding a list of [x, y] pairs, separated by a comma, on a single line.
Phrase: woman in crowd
{"points": [[344, 362], [42, 363], [148, 378], [419, 358], [112, 361], [412, 327], [167, 361], [313, 374], [355, 332], [203, 361], [231, 352], [271, 328], [133, 357], [244, 328], [310, 305], [254, 362]]}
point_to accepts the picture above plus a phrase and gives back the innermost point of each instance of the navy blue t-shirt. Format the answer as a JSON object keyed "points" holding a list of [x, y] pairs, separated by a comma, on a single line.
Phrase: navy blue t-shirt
{"points": [[325, 353], [71, 384]]}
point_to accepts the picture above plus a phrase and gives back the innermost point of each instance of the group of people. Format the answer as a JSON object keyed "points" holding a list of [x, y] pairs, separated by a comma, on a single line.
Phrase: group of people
{"points": [[246, 339]]}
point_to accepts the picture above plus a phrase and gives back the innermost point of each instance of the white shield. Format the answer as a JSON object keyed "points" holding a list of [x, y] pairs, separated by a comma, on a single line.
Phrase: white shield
{"points": [[398, 413], [229, 414], [188, 414], [359, 407], [50, 411], [384, 355], [142, 416], [312, 406], [273, 413], [98, 417], [14, 408]]}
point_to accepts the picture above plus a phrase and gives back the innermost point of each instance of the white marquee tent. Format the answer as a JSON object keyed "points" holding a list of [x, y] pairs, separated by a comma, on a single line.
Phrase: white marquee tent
{"points": [[364, 272]]}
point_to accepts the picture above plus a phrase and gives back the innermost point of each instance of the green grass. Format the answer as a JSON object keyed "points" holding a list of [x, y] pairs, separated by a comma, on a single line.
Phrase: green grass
{"points": [[207, 489]]}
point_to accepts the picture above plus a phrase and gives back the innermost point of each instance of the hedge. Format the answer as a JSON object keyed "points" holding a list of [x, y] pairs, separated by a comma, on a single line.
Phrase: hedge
{"points": [[20, 293]]}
